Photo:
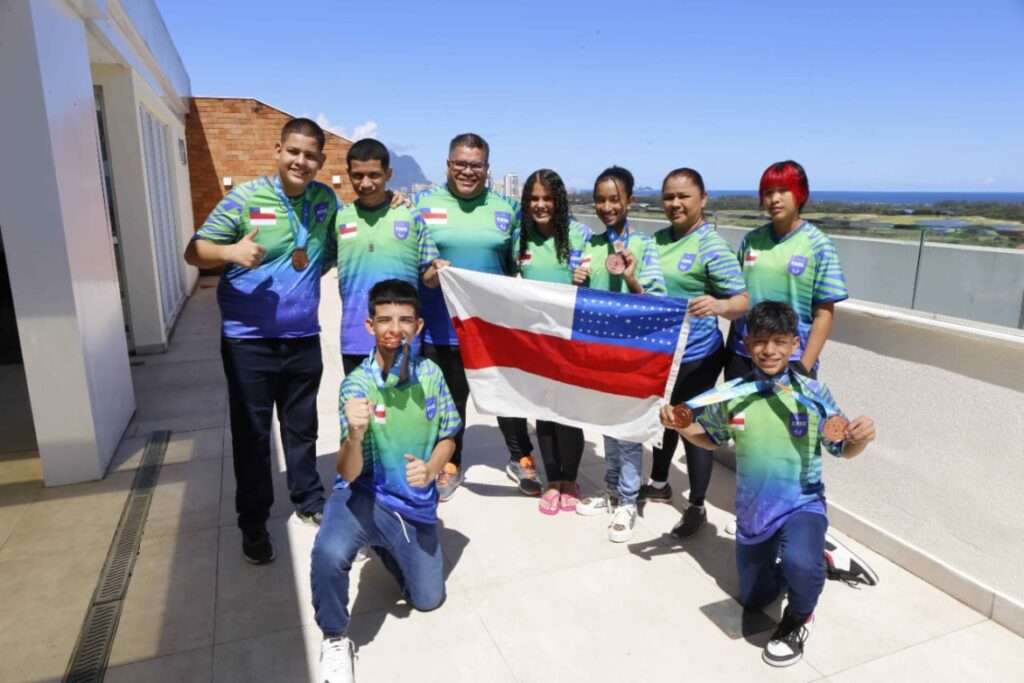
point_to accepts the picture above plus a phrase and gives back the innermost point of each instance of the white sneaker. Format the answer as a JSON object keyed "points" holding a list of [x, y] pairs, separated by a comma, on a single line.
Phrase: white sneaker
{"points": [[730, 527], [336, 660], [621, 528], [601, 504]]}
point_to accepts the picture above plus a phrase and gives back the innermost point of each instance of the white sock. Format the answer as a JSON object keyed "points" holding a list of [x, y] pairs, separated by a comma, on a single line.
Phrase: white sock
{"points": [[657, 484]]}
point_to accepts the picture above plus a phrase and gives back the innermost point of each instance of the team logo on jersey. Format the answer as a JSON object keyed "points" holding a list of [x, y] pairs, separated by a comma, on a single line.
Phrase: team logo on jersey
{"points": [[686, 262], [797, 265], [434, 216], [502, 219], [259, 215], [348, 231], [380, 414], [738, 422], [320, 211], [430, 407], [751, 258], [798, 425], [401, 229]]}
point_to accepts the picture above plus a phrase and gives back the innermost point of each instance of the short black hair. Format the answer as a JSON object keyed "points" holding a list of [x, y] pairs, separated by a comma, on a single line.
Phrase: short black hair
{"points": [[618, 175], [306, 127], [771, 317], [393, 291], [369, 149], [471, 140]]}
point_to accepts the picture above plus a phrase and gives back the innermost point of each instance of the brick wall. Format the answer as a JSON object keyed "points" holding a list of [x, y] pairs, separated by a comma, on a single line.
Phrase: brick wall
{"points": [[235, 137]]}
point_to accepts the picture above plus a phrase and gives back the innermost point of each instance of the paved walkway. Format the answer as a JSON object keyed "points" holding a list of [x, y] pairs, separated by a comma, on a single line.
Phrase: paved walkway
{"points": [[530, 598]]}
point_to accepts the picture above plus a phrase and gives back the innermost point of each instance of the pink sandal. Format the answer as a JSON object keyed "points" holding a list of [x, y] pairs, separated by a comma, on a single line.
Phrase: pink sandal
{"points": [[568, 498], [549, 502]]}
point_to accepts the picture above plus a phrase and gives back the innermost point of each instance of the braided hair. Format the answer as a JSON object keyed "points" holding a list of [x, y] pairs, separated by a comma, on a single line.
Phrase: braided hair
{"points": [[559, 217]]}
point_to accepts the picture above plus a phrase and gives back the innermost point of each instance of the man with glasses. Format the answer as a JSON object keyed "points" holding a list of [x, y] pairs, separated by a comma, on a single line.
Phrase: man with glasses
{"points": [[477, 229]]}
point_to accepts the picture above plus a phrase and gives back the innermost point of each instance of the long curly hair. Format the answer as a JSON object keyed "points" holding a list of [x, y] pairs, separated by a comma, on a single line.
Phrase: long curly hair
{"points": [[559, 218]]}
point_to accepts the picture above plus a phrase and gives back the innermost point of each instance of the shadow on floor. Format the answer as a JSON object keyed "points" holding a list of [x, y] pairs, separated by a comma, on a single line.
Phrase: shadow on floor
{"points": [[367, 623]]}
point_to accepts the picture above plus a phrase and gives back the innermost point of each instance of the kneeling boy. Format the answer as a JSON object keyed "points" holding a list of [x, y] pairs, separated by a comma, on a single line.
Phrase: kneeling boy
{"points": [[780, 497], [397, 423]]}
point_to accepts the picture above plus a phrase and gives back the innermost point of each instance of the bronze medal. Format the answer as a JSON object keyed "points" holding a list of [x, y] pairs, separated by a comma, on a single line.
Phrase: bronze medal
{"points": [[834, 428], [682, 416], [615, 264], [299, 259]]}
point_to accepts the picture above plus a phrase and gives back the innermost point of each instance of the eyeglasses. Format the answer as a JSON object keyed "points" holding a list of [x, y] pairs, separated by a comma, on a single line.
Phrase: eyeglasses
{"points": [[463, 166]]}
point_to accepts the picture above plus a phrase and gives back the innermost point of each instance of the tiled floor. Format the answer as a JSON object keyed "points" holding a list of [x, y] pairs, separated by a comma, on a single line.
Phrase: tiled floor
{"points": [[530, 598]]}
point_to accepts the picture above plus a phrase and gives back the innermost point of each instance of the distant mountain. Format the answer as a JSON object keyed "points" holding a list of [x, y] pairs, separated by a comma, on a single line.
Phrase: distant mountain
{"points": [[406, 171], [645, 191]]}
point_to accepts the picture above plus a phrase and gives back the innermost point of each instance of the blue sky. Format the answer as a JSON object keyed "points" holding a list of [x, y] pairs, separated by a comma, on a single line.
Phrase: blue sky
{"points": [[913, 95]]}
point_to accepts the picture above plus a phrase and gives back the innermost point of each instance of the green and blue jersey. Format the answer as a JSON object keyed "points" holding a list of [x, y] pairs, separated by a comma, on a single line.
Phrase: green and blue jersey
{"points": [[408, 418], [642, 246], [778, 453], [801, 269], [376, 244], [477, 234], [698, 263], [272, 300], [540, 261]]}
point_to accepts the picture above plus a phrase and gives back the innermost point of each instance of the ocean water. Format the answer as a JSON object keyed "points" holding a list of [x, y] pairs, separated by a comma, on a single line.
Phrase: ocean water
{"points": [[867, 197]]}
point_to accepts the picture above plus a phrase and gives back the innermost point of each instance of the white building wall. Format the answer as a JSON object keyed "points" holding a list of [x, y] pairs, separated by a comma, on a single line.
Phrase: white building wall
{"points": [[58, 242]]}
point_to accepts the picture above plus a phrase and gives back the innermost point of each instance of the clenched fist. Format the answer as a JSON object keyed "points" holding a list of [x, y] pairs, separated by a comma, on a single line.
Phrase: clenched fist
{"points": [[357, 414]]}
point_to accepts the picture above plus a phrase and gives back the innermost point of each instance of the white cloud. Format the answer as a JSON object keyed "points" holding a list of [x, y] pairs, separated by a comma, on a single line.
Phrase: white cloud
{"points": [[367, 129]]}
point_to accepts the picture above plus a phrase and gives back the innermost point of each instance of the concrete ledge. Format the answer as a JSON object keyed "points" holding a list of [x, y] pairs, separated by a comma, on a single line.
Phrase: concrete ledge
{"points": [[978, 596]]}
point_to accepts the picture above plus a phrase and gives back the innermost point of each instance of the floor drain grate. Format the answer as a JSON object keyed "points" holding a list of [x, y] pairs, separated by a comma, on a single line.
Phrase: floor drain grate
{"points": [[92, 651]]}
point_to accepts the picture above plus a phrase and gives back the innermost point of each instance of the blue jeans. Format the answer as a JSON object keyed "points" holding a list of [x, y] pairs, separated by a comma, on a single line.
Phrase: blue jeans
{"points": [[410, 551], [623, 461], [793, 558]]}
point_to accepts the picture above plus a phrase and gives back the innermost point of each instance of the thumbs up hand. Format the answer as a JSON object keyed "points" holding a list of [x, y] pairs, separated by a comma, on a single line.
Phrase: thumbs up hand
{"points": [[247, 252], [416, 472]]}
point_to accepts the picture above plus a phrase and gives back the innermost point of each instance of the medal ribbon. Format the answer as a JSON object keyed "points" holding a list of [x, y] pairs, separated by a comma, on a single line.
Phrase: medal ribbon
{"points": [[823, 411], [300, 230], [399, 374], [618, 241], [736, 388]]}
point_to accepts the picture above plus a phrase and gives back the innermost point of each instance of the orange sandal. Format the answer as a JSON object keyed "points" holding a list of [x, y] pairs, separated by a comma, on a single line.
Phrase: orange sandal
{"points": [[549, 502]]}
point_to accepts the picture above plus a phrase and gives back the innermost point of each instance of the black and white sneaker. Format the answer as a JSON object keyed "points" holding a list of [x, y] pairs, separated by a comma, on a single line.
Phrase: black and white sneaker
{"points": [[842, 564], [309, 519], [653, 494], [786, 646], [256, 546]]}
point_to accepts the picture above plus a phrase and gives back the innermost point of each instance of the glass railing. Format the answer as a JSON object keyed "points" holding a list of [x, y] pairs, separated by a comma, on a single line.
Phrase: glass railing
{"points": [[966, 268]]}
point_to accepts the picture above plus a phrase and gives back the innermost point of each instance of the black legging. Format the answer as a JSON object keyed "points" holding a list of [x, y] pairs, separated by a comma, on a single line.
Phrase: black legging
{"points": [[513, 429], [694, 378], [561, 447]]}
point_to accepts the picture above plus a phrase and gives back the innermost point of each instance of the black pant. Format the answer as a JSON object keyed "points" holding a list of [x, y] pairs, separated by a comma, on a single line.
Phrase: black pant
{"points": [[262, 374], [561, 447], [513, 429], [694, 378], [351, 361]]}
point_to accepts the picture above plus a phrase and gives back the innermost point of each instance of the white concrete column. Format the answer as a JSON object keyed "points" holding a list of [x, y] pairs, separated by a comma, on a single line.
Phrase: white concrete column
{"points": [[58, 242], [128, 169]]}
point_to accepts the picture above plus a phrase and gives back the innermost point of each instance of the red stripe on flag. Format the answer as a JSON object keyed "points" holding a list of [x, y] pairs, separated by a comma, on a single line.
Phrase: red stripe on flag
{"points": [[601, 367]]}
